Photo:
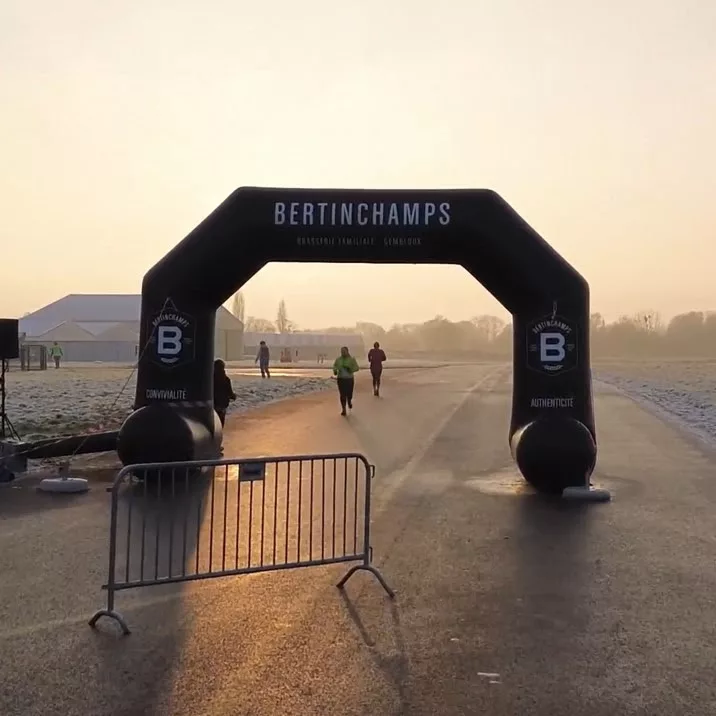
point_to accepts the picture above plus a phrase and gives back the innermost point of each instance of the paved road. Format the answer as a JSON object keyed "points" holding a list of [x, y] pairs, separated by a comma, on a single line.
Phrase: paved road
{"points": [[507, 604]]}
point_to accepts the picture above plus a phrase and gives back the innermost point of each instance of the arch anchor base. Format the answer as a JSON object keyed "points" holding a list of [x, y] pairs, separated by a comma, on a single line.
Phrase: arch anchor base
{"points": [[586, 494]]}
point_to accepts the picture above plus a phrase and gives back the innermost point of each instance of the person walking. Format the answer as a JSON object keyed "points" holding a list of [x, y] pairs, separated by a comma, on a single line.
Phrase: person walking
{"points": [[262, 358], [376, 358], [223, 390], [56, 353], [344, 368]]}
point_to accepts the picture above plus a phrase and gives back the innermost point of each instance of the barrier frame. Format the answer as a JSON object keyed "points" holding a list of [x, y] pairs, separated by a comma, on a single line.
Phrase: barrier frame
{"points": [[124, 477]]}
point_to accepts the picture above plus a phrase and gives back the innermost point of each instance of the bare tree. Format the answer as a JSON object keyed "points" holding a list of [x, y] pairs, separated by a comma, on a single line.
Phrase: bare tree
{"points": [[649, 321], [596, 322], [238, 306], [283, 324], [488, 327], [686, 333], [371, 332], [259, 325]]}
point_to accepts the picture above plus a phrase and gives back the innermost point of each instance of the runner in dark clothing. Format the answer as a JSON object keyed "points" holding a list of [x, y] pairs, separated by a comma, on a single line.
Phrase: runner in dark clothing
{"points": [[376, 357], [223, 390], [262, 358]]}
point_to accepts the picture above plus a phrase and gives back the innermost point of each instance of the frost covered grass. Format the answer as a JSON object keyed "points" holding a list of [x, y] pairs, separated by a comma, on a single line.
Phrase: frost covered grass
{"points": [[80, 398], [88, 397], [682, 390]]}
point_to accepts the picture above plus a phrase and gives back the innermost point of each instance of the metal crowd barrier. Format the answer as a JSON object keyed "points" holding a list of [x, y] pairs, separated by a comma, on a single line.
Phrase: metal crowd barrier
{"points": [[185, 521]]}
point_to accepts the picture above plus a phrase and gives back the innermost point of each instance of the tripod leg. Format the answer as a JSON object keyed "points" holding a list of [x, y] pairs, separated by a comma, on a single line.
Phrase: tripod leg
{"points": [[3, 417], [7, 429]]}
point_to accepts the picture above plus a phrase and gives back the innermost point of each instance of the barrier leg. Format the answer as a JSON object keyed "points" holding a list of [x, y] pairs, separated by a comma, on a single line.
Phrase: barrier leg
{"points": [[368, 550], [112, 615], [367, 568]]}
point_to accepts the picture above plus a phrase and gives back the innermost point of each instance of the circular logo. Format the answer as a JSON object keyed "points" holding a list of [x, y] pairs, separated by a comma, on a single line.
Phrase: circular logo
{"points": [[172, 337], [552, 345]]}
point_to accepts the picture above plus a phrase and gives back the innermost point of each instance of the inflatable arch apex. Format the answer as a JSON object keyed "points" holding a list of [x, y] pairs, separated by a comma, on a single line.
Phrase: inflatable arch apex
{"points": [[552, 432]]}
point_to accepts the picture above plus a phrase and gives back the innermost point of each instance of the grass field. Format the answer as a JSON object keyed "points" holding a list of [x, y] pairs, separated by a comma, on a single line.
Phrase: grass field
{"points": [[84, 397], [683, 390], [80, 398]]}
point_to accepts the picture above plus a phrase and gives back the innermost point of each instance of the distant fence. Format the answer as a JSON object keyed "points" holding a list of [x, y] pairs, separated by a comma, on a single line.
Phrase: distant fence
{"points": [[185, 521], [33, 356]]}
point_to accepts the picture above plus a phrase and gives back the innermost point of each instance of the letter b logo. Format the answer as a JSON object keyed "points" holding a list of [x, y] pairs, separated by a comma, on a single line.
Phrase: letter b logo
{"points": [[172, 336], [551, 347], [169, 341]]}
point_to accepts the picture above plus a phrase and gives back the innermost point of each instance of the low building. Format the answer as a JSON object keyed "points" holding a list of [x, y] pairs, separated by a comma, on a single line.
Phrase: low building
{"points": [[303, 346], [105, 328]]}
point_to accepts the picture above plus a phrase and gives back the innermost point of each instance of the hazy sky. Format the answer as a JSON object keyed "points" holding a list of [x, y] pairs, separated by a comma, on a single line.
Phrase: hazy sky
{"points": [[123, 124]]}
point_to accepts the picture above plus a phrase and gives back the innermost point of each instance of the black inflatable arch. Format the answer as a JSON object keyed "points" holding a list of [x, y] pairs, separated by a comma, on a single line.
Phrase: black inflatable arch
{"points": [[552, 432]]}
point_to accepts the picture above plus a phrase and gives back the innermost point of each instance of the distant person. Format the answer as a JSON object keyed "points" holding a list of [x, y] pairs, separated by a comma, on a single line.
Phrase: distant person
{"points": [[262, 358], [376, 358], [56, 353], [344, 368], [223, 390]]}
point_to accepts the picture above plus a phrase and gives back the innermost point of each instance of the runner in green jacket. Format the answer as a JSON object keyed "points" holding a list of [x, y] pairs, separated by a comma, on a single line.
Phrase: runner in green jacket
{"points": [[56, 353], [344, 368]]}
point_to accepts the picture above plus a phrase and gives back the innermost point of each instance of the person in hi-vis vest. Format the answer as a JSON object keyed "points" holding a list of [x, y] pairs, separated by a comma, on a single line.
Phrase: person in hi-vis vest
{"points": [[56, 353], [344, 368]]}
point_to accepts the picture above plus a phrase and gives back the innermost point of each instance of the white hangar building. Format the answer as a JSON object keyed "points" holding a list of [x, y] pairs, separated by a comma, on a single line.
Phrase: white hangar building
{"points": [[105, 327]]}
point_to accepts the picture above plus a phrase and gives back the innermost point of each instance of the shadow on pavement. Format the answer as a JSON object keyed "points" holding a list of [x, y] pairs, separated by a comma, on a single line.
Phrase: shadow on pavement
{"points": [[394, 665], [21, 497], [552, 573], [22, 500], [160, 525], [55, 562]]}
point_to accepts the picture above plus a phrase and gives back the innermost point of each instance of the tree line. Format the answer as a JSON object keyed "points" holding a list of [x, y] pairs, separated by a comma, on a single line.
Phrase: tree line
{"points": [[642, 334]]}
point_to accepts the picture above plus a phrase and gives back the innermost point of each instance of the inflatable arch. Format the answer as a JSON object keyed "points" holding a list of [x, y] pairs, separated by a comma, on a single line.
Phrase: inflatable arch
{"points": [[552, 433]]}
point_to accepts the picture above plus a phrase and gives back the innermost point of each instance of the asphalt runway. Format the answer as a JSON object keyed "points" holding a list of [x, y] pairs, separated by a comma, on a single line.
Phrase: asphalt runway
{"points": [[506, 603]]}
